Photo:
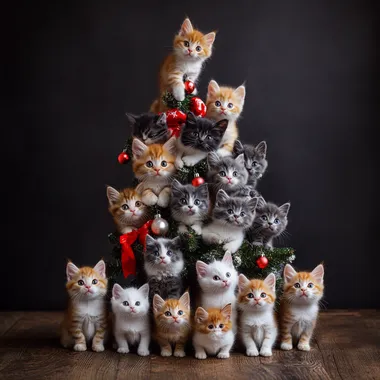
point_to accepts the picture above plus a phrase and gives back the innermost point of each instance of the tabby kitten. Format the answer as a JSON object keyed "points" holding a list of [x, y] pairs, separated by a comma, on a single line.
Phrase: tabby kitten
{"points": [[299, 306], [191, 49], [127, 209], [231, 217], [255, 159], [225, 103], [153, 166], [270, 222], [172, 324], [258, 326], [213, 333], [189, 206], [163, 264], [131, 326], [199, 136], [85, 321], [149, 127]]}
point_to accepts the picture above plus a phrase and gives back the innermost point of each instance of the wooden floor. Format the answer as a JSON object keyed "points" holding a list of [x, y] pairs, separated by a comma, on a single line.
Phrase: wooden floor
{"points": [[346, 346]]}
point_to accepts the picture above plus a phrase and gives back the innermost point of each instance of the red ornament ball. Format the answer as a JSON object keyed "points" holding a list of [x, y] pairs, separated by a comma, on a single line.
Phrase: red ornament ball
{"points": [[262, 262], [123, 158], [189, 87], [197, 180], [197, 106], [175, 117]]}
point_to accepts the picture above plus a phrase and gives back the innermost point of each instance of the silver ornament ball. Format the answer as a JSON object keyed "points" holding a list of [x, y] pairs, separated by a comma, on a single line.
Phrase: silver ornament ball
{"points": [[160, 226]]}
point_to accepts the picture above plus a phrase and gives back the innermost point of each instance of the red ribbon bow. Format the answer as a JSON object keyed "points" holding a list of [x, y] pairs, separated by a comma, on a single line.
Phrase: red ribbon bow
{"points": [[128, 259]]}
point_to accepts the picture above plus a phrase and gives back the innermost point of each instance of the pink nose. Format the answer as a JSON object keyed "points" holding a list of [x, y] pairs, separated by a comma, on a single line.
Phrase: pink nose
{"points": [[222, 108], [303, 290], [87, 286], [225, 281], [133, 211], [189, 50], [162, 257], [257, 299]]}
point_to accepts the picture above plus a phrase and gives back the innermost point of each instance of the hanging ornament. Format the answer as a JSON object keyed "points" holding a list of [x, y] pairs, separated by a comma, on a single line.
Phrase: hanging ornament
{"points": [[189, 87], [123, 158], [175, 117], [197, 106], [197, 180], [262, 262], [159, 226]]}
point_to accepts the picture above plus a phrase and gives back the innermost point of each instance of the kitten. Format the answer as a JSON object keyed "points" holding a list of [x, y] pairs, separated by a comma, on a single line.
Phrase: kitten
{"points": [[225, 103], [299, 306], [85, 321], [153, 166], [258, 326], [127, 209], [270, 222], [172, 324], [130, 309], [230, 218], [199, 136], [163, 264], [218, 281], [255, 159], [191, 49], [189, 206], [149, 127], [213, 333]]}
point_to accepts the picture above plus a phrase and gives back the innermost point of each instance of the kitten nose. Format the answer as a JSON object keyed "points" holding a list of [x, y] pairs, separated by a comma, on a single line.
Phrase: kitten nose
{"points": [[87, 286], [257, 299], [303, 290], [189, 50], [222, 108], [236, 216], [270, 223], [190, 207], [175, 318]]}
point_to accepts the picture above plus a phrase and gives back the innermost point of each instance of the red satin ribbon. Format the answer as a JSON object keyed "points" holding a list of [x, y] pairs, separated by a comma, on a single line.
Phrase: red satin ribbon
{"points": [[128, 259]]}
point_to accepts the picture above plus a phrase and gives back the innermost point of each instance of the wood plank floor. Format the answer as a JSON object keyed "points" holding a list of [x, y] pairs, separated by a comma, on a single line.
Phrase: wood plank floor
{"points": [[346, 346]]}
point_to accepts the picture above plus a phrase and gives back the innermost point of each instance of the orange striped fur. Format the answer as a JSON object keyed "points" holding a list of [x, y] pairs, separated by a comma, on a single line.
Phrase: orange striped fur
{"points": [[258, 285], [213, 317]]}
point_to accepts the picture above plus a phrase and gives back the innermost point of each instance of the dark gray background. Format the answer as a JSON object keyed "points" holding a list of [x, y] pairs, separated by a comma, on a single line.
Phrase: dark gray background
{"points": [[74, 70]]}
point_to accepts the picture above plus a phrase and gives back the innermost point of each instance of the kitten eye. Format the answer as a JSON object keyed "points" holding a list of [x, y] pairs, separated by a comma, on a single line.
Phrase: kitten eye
{"points": [[264, 217], [234, 174], [217, 103], [168, 313], [310, 285], [250, 295], [137, 303], [164, 164], [276, 221], [254, 163], [230, 211], [297, 285], [242, 213], [209, 137], [138, 204], [197, 202], [198, 48], [169, 253], [230, 105], [94, 281], [183, 201], [228, 274], [180, 312], [156, 253], [222, 173], [221, 326], [196, 134], [210, 327], [263, 295], [126, 303], [149, 164], [216, 278], [125, 207], [81, 282], [186, 43]]}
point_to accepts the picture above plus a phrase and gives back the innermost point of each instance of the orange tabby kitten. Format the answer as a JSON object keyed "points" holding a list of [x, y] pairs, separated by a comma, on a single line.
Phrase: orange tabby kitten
{"points": [[86, 318], [191, 48], [299, 306], [172, 324], [225, 103], [153, 166]]}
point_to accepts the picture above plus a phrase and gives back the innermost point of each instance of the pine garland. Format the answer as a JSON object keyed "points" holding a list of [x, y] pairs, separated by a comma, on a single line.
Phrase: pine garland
{"points": [[171, 102]]}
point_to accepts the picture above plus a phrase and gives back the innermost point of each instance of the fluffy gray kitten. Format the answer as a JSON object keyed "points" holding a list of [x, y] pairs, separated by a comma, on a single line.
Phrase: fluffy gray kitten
{"points": [[254, 158], [163, 264], [189, 206], [270, 222]]}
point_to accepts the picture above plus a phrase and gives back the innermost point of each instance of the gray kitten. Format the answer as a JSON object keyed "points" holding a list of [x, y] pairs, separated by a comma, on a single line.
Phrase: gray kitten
{"points": [[255, 159], [189, 205], [270, 222], [163, 264]]}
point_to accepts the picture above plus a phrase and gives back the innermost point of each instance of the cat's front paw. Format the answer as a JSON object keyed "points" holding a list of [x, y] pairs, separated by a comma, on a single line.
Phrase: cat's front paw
{"points": [[223, 355], [232, 247], [303, 346], [179, 93], [197, 229], [123, 350], [143, 351], [265, 351], [252, 352], [182, 229], [286, 346], [179, 163], [200, 355], [164, 198], [165, 352], [223, 152], [190, 161], [80, 347], [98, 347], [179, 353], [149, 198]]}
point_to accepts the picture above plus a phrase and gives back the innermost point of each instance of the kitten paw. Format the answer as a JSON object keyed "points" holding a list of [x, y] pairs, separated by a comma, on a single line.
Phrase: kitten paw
{"points": [[252, 352], [223, 152], [178, 163], [190, 161], [286, 346], [179, 93], [231, 248], [164, 198], [303, 346], [150, 199], [200, 355], [143, 352], [179, 353], [123, 350], [166, 353], [182, 229], [80, 347], [98, 347], [266, 352], [197, 229], [223, 355]]}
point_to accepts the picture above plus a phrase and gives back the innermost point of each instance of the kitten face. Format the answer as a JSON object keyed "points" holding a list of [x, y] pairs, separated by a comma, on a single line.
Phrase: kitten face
{"points": [[303, 287], [203, 134], [257, 295], [86, 283], [214, 322], [153, 161], [218, 276], [172, 313], [254, 157], [192, 45], [271, 220], [227, 173], [149, 127], [130, 302], [163, 254], [224, 102], [238, 212], [189, 200]]}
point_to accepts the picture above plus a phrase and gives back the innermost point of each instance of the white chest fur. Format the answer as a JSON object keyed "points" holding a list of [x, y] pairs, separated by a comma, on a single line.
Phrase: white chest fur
{"points": [[90, 311]]}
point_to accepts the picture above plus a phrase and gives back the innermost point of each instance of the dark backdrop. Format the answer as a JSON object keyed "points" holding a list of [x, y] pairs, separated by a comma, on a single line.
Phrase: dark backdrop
{"points": [[74, 69]]}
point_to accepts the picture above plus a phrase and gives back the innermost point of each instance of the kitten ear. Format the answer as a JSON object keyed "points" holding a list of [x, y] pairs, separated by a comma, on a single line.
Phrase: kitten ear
{"points": [[117, 291], [132, 119], [112, 195], [261, 148], [138, 148], [185, 300], [158, 303], [221, 196], [202, 268], [191, 118], [176, 242], [289, 272], [227, 258], [318, 273], [144, 290], [213, 88], [201, 315], [222, 125], [161, 121], [240, 159], [227, 311], [261, 202], [252, 203], [150, 242], [285, 208], [238, 147], [100, 267], [202, 190], [243, 282], [209, 38], [71, 270], [213, 159], [186, 28], [270, 280], [171, 146], [240, 93], [176, 187]]}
